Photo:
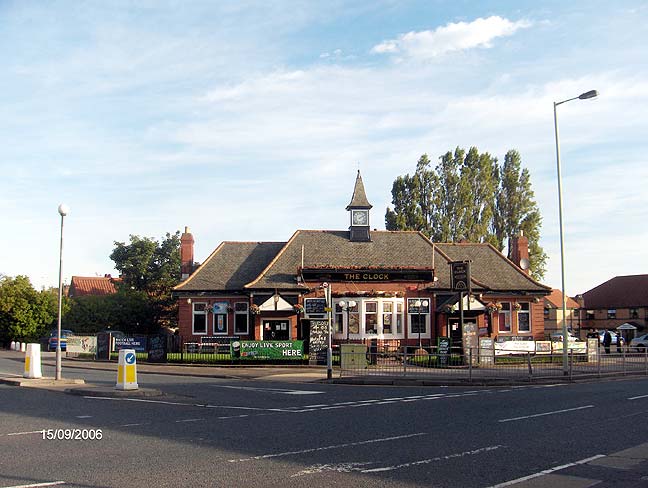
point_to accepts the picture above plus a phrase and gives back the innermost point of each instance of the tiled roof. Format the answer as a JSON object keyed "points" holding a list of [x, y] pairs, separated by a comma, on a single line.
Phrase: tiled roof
{"points": [[92, 285], [619, 292], [489, 268], [359, 198], [231, 266], [555, 300]]}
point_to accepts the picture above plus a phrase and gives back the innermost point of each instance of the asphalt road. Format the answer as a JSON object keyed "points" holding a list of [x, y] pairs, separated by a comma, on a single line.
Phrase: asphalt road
{"points": [[227, 432]]}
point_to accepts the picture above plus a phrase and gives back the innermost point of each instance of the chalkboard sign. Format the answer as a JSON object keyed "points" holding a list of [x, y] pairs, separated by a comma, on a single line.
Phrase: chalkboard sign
{"points": [[443, 348], [318, 342], [103, 345], [315, 305], [157, 349]]}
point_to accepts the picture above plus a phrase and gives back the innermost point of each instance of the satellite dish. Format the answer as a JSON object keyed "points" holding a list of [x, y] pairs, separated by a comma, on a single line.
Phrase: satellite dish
{"points": [[524, 263]]}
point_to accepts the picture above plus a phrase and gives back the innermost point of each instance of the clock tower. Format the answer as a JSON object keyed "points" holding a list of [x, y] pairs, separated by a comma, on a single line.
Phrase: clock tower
{"points": [[359, 213]]}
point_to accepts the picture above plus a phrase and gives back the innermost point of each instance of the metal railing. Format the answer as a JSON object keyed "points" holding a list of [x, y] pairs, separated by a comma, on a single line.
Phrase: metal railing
{"points": [[475, 365]]}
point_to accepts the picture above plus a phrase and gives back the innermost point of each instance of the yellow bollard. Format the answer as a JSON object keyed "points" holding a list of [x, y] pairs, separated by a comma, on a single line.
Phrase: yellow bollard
{"points": [[127, 370]]}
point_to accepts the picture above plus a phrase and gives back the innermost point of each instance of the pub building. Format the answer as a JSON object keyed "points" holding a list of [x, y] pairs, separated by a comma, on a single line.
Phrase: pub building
{"points": [[393, 288]]}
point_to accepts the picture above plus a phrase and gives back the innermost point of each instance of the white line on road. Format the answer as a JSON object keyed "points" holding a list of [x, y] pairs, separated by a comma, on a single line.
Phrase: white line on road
{"points": [[51, 483], [84, 416], [134, 425], [546, 413], [270, 390], [326, 448], [189, 420], [25, 433], [434, 459], [638, 397], [547, 471]]}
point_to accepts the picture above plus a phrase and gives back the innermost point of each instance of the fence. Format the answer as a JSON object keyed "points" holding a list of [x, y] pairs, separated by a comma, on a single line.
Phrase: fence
{"points": [[475, 365]]}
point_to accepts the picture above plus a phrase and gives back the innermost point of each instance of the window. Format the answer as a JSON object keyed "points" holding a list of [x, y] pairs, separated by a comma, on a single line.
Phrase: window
{"points": [[388, 317], [546, 313], [589, 315], [371, 317], [504, 317], [399, 318], [338, 320], [199, 318], [219, 310], [611, 313], [417, 316], [524, 317], [241, 318], [634, 313], [354, 320]]}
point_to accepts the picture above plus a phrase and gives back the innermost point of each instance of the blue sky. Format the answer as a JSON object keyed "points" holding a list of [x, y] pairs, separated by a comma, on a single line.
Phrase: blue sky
{"points": [[248, 120]]}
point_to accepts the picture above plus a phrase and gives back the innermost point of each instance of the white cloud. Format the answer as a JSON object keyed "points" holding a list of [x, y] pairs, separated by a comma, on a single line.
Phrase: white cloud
{"points": [[458, 36]]}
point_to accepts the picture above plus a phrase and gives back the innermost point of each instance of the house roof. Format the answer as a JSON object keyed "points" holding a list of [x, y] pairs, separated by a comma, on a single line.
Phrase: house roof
{"points": [[92, 285], [619, 292], [490, 270], [231, 266], [555, 300], [359, 198]]}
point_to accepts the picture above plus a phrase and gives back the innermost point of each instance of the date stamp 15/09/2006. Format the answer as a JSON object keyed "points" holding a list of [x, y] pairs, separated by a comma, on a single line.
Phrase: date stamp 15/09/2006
{"points": [[72, 434]]}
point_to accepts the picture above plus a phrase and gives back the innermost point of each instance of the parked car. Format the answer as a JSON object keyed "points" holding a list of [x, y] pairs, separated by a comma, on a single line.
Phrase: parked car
{"points": [[53, 339], [640, 343], [558, 337]]}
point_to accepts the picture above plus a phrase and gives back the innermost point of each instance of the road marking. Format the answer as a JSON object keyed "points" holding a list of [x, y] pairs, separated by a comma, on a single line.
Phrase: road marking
{"points": [[84, 416], [638, 397], [327, 448], [547, 471], [271, 390], [26, 433], [134, 425], [434, 459], [51, 483], [189, 420], [546, 413]]}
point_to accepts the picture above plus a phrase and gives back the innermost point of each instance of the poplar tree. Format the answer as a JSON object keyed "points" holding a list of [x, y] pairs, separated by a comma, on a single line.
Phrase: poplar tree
{"points": [[469, 196]]}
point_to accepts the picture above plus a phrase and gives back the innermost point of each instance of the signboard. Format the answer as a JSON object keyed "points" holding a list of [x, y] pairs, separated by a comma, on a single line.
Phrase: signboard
{"points": [[82, 344], [592, 349], [444, 345], [367, 275], [503, 348], [460, 276], [220, 308], [413, 309], [314, 306], [103, 345], [543, 347], [318, 342], [486, 351], [275, 350], [157, 349], [137, 343]]}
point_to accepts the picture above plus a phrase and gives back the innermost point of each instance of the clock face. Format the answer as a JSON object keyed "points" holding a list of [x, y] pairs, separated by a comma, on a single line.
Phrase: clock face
{"points": [[360, 217]]}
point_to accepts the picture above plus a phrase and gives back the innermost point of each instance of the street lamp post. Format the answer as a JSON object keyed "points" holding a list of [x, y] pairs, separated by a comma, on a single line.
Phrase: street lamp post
{"points": [[63, 210], [418, 304], [347, 307], [582, 96]]}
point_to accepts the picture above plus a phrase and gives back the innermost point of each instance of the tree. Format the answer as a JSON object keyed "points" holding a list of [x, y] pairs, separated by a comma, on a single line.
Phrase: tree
{"points": [[469, 196], [153, 269], [25, 314]]}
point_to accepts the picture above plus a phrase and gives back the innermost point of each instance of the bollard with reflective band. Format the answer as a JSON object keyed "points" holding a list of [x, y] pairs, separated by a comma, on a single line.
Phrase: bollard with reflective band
{"points": [[127, 370], [13, 345], [23, 347], [33, 362]]}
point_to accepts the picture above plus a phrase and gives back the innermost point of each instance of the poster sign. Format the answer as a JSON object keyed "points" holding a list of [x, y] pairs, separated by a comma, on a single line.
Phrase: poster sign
{"points": [[82, 344], [275, 350], [137, 343], [444, 345], [103, 345], [315, 306], [157, 349], [543, 347], [318, 342], [486, 350], [504, 348]]}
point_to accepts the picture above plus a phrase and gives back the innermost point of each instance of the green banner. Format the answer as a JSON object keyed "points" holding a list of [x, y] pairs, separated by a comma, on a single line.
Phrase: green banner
{"points": [[276, 350]]}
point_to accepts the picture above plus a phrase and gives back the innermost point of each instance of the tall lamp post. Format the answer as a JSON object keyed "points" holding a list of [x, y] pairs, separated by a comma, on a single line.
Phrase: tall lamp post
{"points": [[63, 210], [347, 308], [418, 304], [582, 96]]}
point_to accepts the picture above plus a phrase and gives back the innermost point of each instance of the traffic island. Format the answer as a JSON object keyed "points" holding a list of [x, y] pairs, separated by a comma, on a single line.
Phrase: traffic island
{"points": [[111, 392], [48, 383]]}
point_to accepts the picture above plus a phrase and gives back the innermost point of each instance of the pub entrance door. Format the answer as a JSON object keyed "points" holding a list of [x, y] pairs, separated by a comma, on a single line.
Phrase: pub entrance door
{"points": [[276, 330]]}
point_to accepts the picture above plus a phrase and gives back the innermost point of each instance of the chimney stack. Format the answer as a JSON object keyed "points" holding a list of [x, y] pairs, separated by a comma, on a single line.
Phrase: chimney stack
{"points": [[519, 252], [186, 254]]}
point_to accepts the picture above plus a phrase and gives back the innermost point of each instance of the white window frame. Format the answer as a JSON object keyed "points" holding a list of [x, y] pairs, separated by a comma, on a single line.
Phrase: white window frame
{"points": [[410, 333], [398, 306], [246, 313], [507, 319], [364, 318], [195, 312], [528, 313]]}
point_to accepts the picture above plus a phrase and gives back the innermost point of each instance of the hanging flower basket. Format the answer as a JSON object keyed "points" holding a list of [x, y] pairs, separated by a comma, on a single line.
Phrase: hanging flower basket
{"points": [[493, 307], [255, 310], [299, 308], [229, 309], [517, 307]]}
